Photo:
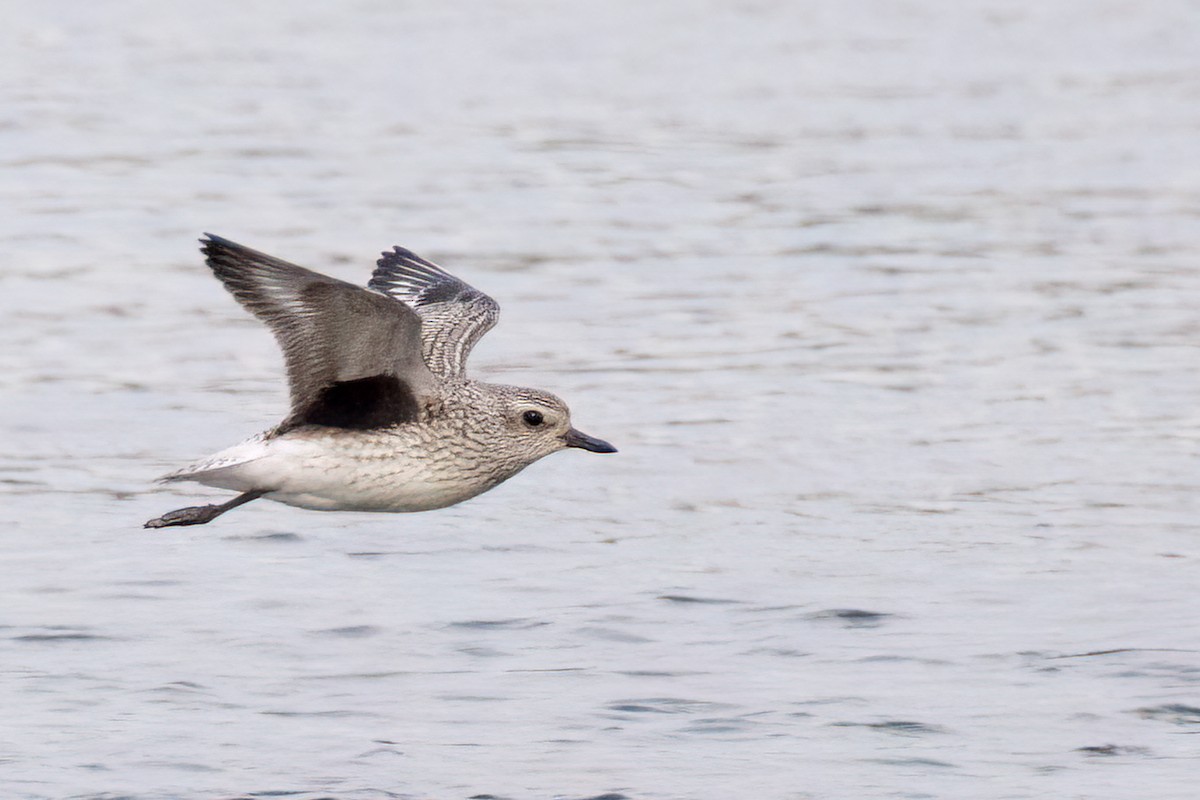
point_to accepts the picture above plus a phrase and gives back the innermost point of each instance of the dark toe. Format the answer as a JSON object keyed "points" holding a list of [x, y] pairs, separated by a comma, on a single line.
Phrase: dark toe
{"points": [[193, 515]]}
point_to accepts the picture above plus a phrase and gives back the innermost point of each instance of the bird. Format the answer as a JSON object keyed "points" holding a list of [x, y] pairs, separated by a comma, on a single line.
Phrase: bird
{"points": [[383, 416]]}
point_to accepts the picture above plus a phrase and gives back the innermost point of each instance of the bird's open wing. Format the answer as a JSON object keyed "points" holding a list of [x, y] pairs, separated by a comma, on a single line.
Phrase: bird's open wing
{"points": [[453, 314], [353, 356]]}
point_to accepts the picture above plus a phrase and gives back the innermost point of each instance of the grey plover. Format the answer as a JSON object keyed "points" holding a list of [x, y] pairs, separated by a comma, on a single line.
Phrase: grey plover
{"points": [[383, 416]]}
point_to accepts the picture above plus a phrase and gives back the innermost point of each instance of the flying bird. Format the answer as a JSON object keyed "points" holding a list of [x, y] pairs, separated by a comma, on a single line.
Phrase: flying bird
{"points": [[383, 416]]}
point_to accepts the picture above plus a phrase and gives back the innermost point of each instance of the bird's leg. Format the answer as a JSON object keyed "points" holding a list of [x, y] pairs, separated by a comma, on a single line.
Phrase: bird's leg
{"points": [[198, 515]]}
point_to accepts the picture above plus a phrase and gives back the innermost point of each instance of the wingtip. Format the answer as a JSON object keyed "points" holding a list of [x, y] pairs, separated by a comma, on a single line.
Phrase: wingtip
{"points": [[219, 249], [209, 239], [397, 252]]}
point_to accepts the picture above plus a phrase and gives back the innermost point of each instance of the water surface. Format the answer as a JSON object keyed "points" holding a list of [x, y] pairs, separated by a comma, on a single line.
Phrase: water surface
{"points": [[891, 308]]}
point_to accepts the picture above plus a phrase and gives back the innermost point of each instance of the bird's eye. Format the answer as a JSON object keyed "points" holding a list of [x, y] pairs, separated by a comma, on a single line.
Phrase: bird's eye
{"points": [[533, 418]]}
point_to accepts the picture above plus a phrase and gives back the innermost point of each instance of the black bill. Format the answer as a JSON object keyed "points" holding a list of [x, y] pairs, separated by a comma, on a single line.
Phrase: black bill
{"points": [[575, 438]]}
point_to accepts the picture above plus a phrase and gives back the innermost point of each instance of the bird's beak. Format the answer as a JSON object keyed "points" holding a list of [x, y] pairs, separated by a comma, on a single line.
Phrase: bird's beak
{"points": [[575, 438]]}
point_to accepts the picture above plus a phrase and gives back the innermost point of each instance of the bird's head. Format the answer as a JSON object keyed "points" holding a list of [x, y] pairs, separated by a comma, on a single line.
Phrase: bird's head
{"points": [[541, 423]]}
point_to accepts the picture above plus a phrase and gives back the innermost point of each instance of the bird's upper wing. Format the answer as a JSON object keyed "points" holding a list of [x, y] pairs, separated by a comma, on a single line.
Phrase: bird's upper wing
{"points": [[353, 356], [453, 314]]}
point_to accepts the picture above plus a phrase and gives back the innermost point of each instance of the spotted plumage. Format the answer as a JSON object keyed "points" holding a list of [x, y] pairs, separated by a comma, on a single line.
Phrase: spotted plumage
{"points": [[382, 417]]}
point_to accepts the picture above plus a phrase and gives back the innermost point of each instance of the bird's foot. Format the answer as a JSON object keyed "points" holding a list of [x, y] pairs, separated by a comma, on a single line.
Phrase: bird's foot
{"points": [[192, 515], [198, 515]]}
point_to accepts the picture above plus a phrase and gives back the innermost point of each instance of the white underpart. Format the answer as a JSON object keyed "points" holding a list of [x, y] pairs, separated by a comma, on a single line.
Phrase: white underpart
{"points": [[347, 472]]}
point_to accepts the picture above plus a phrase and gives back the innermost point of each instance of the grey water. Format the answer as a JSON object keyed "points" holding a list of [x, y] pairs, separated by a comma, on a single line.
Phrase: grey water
{"points": [[893, 310]]}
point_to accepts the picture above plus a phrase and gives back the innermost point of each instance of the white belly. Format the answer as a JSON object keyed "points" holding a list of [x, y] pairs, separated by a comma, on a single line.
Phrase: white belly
{"points": [[346, 472]]}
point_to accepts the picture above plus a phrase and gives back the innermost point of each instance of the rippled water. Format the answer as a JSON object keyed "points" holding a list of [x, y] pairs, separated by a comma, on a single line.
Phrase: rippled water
{"points": [[891, 308]]}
